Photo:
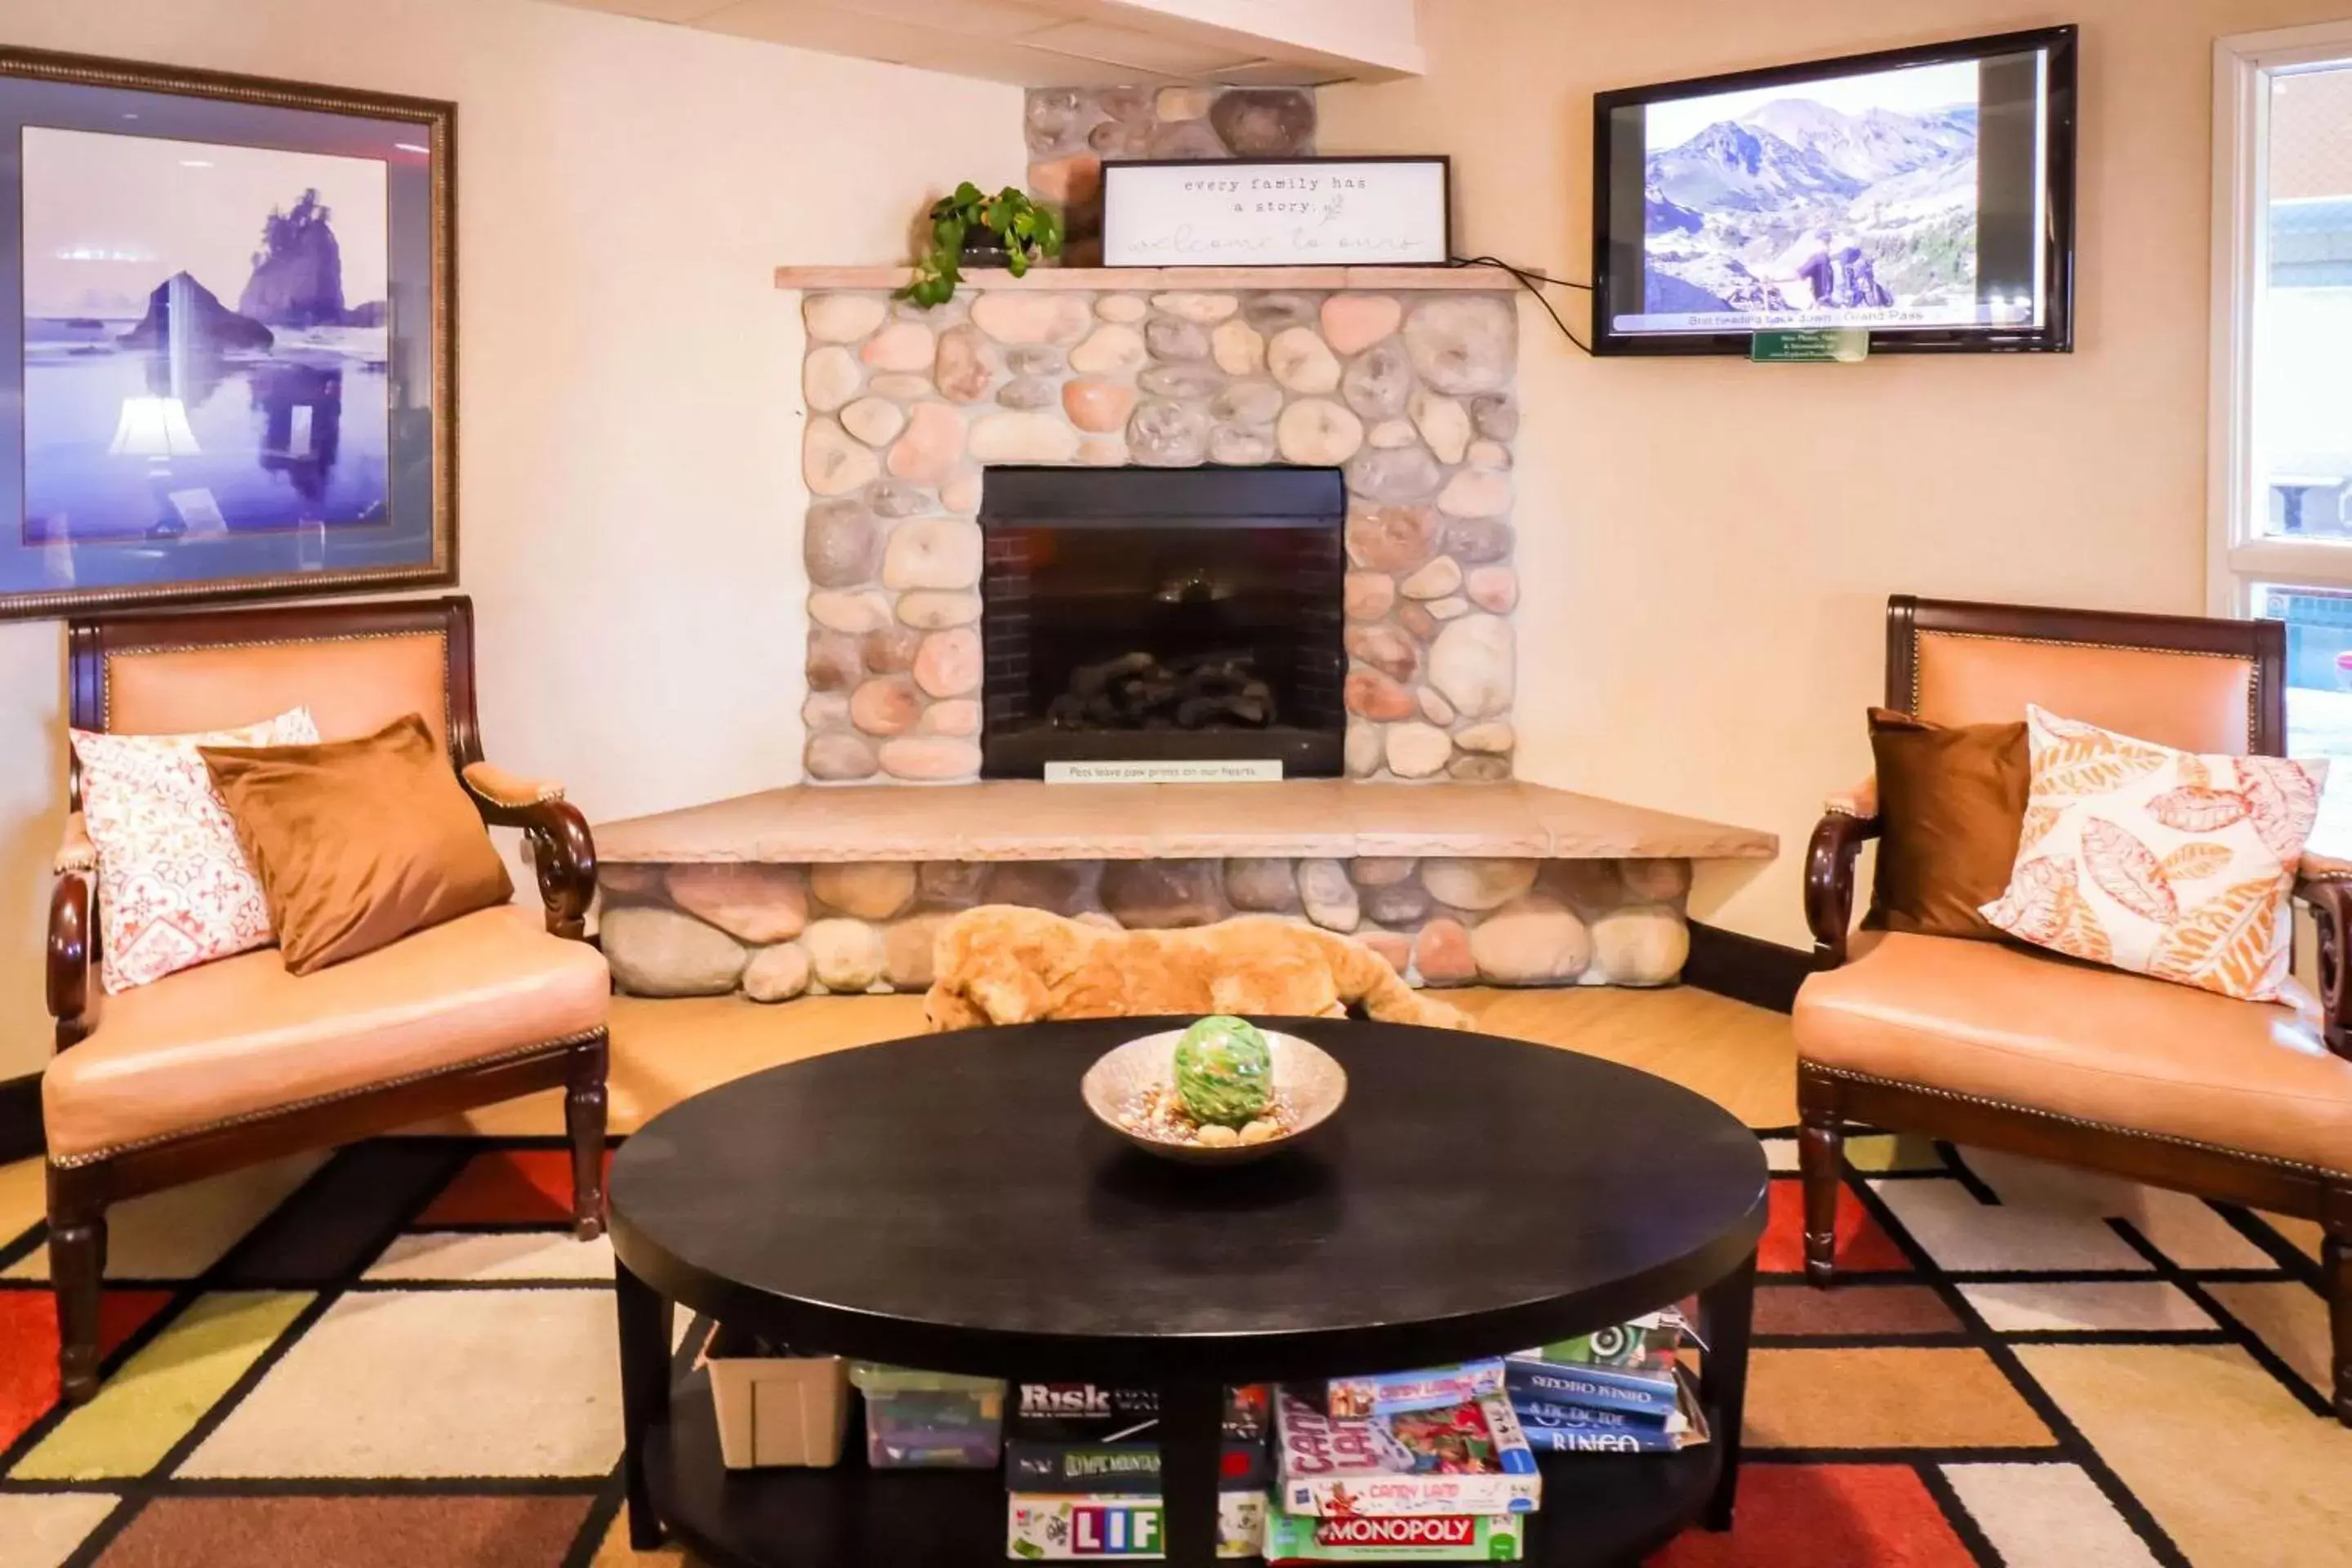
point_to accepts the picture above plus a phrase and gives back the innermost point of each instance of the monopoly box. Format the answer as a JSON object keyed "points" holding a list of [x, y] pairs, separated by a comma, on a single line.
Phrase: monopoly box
{"points": [[1355, 1537]]}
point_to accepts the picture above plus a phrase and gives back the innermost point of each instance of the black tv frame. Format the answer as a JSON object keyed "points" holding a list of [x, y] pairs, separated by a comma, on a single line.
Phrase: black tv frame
{"points": [[2056, 333]]}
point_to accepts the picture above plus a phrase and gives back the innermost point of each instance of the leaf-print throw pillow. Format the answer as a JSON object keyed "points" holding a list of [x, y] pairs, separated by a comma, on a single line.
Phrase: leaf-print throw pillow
{"points": [[173, 887], [2161, 862]]}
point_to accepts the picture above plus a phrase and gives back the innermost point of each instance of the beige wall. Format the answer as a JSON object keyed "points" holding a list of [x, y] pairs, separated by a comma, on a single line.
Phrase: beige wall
{"points": [[1709, 545], [629, 402]]}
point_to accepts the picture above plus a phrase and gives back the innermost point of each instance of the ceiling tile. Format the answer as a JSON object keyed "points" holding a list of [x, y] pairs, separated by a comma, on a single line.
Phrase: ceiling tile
{"points": [[814, 27], [654, 10], [966, 18], [1127, 46]]}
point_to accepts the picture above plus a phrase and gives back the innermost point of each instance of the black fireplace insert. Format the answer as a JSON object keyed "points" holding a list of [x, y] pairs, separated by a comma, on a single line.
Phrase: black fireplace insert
{"points": [[1163, 614]]}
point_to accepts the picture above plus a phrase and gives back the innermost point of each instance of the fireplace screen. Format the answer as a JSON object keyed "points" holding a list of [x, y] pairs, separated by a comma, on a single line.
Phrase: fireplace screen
{"points": [[1163, 614]]}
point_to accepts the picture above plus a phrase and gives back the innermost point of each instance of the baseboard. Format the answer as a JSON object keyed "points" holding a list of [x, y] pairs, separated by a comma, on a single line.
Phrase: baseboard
{"points": [[20, 1118], [1745, 968]]}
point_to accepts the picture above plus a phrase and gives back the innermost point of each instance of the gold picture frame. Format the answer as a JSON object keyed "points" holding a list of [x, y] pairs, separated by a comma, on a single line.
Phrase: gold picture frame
{"points": [[169, 448]]}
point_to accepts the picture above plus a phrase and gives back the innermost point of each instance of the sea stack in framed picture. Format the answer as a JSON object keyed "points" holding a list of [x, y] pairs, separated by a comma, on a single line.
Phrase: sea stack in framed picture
{"points": [[225, 312], [1276, 211]]}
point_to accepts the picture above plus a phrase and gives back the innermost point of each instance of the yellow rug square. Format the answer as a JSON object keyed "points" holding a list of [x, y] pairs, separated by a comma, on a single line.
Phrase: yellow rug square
{"points": [[1885, 1397], [143, 1410]]}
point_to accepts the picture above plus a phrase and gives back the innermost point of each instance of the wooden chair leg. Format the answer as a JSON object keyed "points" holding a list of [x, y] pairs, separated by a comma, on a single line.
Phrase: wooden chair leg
{"points": [[583, 1119], [1821, 1143], [2335, 1275], [77, 1276]]}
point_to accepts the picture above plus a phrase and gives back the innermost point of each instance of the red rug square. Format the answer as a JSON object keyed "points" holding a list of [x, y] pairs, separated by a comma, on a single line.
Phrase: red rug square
{"points": [[28, 1348], [1861, 1243], [1825, 1516], [509, 1186]]}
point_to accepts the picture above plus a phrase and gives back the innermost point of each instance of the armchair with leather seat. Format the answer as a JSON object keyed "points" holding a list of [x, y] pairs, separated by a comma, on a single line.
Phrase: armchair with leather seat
{"points": [[2001, 1046], [237, 1061]]}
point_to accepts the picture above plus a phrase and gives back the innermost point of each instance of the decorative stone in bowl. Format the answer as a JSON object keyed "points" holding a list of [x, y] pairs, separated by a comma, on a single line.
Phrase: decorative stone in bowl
{"points": [[1132, 1089]]}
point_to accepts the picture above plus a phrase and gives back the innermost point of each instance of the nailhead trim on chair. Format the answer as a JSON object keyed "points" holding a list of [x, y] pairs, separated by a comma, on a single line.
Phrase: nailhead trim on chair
{"points": [[95, 1155], [2253, 686], [106, 665], [1852, 1077]]}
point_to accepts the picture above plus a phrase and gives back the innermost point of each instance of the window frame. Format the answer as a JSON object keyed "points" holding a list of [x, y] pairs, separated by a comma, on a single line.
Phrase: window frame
{"points": [[2239, 555]]}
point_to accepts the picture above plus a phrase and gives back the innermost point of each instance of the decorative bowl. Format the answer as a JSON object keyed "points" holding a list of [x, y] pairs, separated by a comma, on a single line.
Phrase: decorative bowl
{"points": [[1309, 1076]]}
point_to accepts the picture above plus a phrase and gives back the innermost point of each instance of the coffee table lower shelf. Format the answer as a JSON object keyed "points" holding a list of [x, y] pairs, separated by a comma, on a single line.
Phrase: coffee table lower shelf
{"points": [[1598, 1509]]}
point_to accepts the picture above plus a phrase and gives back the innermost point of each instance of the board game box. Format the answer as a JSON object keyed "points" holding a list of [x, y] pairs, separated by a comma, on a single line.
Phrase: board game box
{"points": [[1575, 1428], [1536, 1382], [1390, 1393], [1292, 1538], [1641, 1350], [1089, 1413], [1060, 1527], [1122, 1467], [1470, 1457]]}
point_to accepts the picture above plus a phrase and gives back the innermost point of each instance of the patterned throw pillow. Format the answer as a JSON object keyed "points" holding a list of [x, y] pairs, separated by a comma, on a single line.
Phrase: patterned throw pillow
{"points": [[173, 887], [2161, 862]]}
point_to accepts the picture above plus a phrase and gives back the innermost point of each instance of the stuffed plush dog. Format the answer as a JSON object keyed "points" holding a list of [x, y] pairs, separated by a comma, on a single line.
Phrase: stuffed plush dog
{"points": [[1000, 964]]}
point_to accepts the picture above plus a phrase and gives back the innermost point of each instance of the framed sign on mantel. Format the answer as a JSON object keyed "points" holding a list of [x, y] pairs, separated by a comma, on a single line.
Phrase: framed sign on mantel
{"points": [[226, 361], [1278, 212]]}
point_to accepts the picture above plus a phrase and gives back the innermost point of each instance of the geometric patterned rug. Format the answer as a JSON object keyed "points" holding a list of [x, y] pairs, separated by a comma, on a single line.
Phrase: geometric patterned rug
{"points": [[396, 1355]]}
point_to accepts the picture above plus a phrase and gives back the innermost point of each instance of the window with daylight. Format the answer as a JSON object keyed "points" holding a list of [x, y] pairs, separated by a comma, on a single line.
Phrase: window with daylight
{"points": [[2281, 458]]}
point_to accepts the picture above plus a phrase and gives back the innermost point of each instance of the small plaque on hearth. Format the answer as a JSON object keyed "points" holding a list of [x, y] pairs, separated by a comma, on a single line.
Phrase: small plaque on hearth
{"points": [[1243, 769]]}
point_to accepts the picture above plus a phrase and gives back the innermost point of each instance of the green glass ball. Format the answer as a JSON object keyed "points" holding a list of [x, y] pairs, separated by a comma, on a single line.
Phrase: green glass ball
{"points": [[1225, 1071]]}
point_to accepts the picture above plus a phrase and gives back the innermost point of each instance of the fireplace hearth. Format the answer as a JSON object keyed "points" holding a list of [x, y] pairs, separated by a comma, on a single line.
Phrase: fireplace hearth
{"points": [[1159, 615]]}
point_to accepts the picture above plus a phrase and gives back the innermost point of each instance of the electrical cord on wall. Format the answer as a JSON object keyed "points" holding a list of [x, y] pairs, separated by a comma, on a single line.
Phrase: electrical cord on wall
{"points": [[1531, 280]]}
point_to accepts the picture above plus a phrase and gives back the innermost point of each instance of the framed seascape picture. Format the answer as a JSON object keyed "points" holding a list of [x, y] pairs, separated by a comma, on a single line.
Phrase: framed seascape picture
{"points": [[226, 365]]}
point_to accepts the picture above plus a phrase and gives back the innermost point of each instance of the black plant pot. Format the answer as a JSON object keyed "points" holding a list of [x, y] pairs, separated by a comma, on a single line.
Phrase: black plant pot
{"points": [[980, 253]]}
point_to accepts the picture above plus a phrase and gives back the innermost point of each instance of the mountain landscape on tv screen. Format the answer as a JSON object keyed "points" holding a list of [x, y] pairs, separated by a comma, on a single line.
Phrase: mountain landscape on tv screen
{"points": [[1796, 205]]}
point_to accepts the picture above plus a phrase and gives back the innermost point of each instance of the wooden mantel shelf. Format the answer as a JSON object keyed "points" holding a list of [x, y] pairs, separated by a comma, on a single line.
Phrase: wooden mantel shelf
{"points": [[1015, 820], [1383, 278]]}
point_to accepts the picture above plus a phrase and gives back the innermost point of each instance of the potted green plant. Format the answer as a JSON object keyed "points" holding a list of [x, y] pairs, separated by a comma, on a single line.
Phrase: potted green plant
{"points": [[1006, 230]]}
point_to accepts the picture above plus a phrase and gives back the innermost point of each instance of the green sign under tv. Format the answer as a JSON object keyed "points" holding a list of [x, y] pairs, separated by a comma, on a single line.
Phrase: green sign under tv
{"points": [[1818, 345]]}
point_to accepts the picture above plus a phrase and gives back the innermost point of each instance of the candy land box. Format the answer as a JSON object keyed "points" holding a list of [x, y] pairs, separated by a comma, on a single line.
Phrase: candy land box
{"points": [[1470, 1458], [1054, 1528], [1354, 1538], [1388, 1392]]}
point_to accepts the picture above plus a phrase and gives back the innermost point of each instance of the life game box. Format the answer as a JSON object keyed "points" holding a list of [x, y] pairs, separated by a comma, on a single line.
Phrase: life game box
{"points": [[1292, 1538], [1468, 1459], [1042, 1527]]}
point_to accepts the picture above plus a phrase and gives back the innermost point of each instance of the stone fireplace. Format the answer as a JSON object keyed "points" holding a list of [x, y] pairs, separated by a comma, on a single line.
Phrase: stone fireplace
{"points": [[1133, 515], [1162, 615], [926, 426]]}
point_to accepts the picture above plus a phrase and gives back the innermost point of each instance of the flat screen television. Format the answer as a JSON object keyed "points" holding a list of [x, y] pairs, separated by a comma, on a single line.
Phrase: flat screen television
{"points": [[1925, 195]]}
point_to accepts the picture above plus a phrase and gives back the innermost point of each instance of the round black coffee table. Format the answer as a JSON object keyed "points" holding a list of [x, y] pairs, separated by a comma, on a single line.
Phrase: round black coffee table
{"points": [[947, 1202]]}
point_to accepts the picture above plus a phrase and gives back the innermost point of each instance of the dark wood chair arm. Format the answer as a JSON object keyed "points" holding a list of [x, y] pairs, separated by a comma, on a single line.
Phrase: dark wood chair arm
{"points": [[70, 951], [2325, 889], [562, 853], [1829, 882]]}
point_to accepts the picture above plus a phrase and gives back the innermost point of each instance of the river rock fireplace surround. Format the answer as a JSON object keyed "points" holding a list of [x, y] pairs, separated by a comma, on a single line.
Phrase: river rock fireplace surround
{"points": [[1213, 514]]}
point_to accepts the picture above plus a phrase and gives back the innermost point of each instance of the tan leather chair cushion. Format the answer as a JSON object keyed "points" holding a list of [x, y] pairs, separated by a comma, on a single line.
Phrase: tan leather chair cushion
{"points": [[2197, 702], [241, 1036], [1973, 1018], [353, 686]]}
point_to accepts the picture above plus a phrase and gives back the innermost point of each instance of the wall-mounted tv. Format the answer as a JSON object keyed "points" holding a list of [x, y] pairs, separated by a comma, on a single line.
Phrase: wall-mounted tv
{"points": [[1923, 195]]}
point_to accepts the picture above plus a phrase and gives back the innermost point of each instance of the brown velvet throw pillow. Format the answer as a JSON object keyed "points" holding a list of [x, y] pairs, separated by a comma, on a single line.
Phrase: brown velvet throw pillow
{"points": [[357, 843], [1952, 804]]}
